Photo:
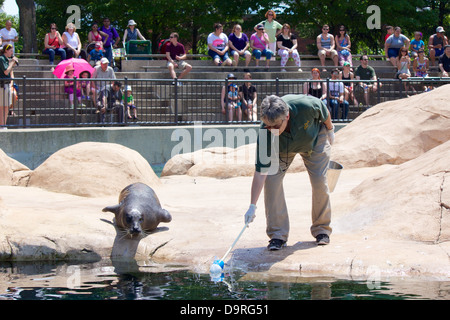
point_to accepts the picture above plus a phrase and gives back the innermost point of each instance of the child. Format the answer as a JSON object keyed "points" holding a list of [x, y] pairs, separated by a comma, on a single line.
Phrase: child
{"points": [[233, 101], [96, 54], [130, 103], [68, 86], [86, 88], [389, 32], [416, 44], [248, 95]]}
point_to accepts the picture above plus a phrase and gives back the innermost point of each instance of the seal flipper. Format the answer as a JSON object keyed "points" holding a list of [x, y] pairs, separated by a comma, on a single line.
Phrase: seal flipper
{"points": [[166, 217], [114, 209]]}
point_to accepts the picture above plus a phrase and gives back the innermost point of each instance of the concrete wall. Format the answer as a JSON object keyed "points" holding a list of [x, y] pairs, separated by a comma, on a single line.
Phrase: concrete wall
{"points": [[31, 147]]}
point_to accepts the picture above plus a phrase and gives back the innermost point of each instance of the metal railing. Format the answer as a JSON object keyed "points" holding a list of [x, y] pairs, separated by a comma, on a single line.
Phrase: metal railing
{"points": [[45, 102]]}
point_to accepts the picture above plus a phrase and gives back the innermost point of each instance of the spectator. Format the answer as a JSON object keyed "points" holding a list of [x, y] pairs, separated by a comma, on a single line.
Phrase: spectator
{"points": [[95, 35], [218, 46], [436, 44], [416, 44], [393, 44], [68, 85], [336, 98], [129, 100], [273, 29], [326, 45], [110, 101], [52, 43], [347, 75], [9, 35], [365, 73], [315, 88], [444, 62], [287, 44], [249, 98], [72, 43], [389, 32], [229, 98], [176, 56], [103, 71], [7, 63], [343, 46], [403, 64], [239, 45], [112, 36], [132, 33], [259, 44], [96, 54], [86, 88], [421, 66]]}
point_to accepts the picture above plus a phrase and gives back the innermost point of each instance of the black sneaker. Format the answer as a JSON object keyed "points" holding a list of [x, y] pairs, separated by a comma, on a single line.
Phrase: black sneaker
{"points": [[322, 239], [276, 244]]}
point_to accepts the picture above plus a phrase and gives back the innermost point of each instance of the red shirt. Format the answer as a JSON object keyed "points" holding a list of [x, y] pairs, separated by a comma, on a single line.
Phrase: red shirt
{"points": [[177, 50]]}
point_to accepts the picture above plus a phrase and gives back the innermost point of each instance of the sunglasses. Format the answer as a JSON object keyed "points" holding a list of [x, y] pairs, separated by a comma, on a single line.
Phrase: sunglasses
{"points": [[276, 127]]}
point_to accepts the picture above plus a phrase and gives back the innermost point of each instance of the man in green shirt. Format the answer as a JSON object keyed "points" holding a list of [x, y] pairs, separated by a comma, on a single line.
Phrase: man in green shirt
{"points": [[365, 72], [292, 124]]}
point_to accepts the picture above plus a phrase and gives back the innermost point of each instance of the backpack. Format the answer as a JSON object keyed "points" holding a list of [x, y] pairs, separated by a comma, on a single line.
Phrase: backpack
{"points": [[163, 45]]}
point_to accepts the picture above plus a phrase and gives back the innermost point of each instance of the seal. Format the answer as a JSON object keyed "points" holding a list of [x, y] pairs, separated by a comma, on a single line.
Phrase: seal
{"points": [[139, 210]]}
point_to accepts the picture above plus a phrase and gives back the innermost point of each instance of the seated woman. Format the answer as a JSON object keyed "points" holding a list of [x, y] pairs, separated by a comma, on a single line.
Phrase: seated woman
{"points": [[239, 45], [315, 88], [287, 46], [52, 43], [72, 43], [259, 42], [393, 45], [218, 46]]}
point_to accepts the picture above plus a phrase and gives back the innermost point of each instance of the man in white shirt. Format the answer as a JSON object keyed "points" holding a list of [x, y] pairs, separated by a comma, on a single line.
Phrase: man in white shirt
{"points": [[8, 34]]}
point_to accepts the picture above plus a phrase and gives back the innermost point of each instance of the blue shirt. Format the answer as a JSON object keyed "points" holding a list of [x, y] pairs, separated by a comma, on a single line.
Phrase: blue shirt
{"points": [[96, 55]]}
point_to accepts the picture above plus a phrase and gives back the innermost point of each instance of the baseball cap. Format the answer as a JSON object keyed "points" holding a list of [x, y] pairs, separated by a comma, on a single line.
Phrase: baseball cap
{"points": [[104, 60], [440, 29]]}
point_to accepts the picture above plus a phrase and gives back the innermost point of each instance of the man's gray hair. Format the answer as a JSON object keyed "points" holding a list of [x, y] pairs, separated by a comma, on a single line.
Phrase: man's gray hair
{"points": [[273, 108]]}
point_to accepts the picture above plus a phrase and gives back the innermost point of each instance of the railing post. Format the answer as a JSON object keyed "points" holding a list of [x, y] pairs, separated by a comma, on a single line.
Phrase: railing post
{"points": [[24, 102], [378, 90], [401, 88], [226, 101], [277, 86], [125, 101], [328, 97], [175, 88], [75, 101]]}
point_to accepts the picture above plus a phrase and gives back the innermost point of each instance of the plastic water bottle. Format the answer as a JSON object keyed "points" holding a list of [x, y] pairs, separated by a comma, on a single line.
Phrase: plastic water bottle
{"points": [[366, 87]]}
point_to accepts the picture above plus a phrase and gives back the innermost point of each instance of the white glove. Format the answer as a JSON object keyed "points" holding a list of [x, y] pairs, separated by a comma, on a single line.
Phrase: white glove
{"points": [[330, 133], [250, 214]]}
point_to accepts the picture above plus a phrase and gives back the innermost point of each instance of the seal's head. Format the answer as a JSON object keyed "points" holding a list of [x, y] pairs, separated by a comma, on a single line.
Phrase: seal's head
{"points": [[133, 221]]}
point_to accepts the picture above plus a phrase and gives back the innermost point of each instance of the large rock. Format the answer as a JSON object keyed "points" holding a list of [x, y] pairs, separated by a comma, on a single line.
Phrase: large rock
{"points": [[93, 169], [396, 131], [219, 163], [12, 172], [410, 201]]}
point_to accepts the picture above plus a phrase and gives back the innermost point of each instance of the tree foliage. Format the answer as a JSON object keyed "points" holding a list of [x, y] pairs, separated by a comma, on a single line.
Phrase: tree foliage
{"points": [[194, 19]]}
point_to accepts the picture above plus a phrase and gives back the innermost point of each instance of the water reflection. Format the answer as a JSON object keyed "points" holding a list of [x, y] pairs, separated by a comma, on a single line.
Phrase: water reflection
{"points": [[133, 281]]}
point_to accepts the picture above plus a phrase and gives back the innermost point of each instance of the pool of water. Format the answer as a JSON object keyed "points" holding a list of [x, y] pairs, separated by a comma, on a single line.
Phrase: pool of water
{"points": [[96, 281]]}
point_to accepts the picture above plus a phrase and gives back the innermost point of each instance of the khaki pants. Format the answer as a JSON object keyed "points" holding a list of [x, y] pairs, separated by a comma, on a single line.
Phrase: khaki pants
{"points": [[316, 165]]}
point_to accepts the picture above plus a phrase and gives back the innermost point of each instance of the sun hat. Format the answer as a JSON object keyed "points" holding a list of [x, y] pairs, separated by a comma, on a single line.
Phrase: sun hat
{"points": [[131, 23], [69, 67], [104, 60], [128, 88]]}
